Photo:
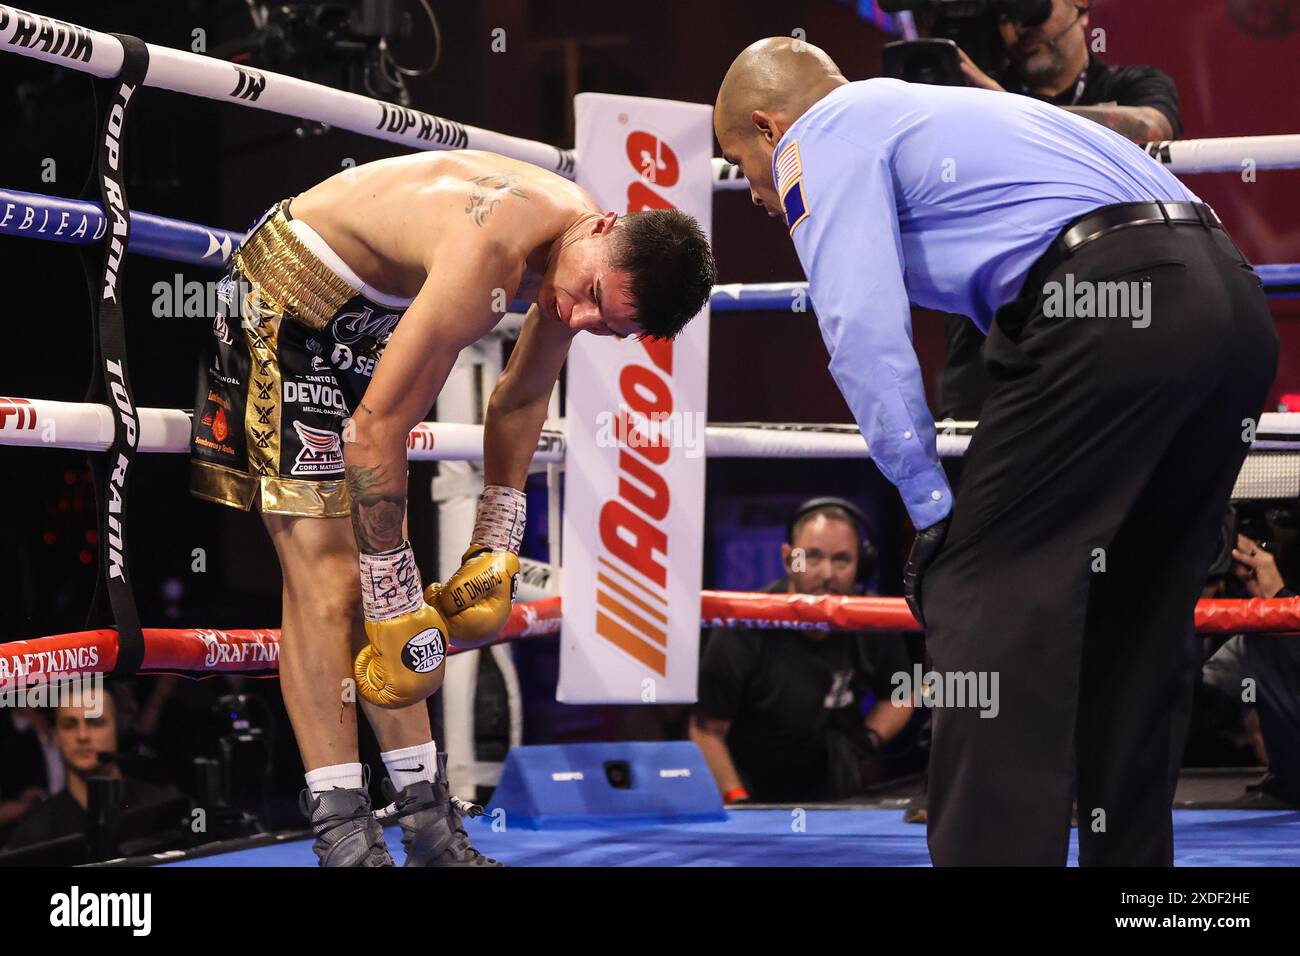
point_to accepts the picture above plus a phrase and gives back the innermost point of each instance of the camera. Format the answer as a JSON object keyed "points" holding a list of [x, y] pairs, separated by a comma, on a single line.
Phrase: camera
{"points": [[1238, 519], [971, 25], [344, 43]]}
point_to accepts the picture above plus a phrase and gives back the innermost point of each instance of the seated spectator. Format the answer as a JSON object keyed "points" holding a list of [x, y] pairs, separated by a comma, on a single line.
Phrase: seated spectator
{"points": [[1264, 670], [88, 745], [30, 768], [779, 714]]}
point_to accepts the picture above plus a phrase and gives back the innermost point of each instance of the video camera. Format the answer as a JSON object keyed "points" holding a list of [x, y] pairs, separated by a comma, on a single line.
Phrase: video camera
{"points": [[344, 43], [971, 25], [1257, 521]]}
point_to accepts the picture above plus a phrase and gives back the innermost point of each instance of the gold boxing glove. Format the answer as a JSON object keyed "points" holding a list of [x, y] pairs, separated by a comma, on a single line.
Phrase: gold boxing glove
{"points": [[404, 660], [477, 599]]}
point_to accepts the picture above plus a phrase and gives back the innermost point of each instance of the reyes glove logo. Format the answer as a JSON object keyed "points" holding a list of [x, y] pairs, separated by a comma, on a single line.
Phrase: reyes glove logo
{"points": [[425, 651]]}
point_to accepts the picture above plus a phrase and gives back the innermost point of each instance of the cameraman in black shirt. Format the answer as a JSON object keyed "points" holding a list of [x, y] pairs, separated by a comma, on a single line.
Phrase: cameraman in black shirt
{"points": [[779, 714], [1052, 62]]}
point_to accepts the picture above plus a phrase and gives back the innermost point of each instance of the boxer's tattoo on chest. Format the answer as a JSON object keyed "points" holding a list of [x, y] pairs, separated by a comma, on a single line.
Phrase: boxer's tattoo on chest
{"points": [[487, 192], [378, 506]]}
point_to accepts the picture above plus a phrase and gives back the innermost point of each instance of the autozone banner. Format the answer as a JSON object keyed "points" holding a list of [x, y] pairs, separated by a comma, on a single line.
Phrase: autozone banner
{"points": [[634, 462]]}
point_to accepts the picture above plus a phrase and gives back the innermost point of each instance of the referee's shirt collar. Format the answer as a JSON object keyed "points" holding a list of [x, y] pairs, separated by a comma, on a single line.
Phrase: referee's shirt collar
{"points": [[803, 122]]}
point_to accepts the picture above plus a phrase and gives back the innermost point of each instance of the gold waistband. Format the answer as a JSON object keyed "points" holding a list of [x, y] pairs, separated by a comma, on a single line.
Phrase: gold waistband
{"points": [[289, 277]]}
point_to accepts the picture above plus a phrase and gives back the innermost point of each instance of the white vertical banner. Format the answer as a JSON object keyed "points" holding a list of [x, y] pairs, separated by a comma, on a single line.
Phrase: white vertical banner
{"points": [[634, 460]]}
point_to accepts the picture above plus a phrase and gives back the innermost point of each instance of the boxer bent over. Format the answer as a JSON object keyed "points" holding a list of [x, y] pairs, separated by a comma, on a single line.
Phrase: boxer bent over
{"points": [[342, 314]]}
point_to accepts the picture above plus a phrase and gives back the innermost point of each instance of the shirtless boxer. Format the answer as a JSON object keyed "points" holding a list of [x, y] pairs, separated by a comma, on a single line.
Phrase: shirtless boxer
{"points": [[356, 298]]}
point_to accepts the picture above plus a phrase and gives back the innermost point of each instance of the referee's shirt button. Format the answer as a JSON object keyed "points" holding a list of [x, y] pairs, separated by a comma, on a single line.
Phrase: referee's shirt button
{"points": [[907, 435], [936, 495]]}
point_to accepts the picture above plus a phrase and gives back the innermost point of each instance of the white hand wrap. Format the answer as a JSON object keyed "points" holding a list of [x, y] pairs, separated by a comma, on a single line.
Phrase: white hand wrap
{"points": [[502, 512], [390, 583]]}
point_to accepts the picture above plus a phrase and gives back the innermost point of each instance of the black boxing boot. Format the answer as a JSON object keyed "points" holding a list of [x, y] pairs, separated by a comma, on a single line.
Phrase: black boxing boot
{"points": [[347, 833], [430, 817]]}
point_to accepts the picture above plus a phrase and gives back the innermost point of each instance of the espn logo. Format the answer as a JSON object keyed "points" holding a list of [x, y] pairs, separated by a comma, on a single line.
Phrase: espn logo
{"points": [[17, 413]]}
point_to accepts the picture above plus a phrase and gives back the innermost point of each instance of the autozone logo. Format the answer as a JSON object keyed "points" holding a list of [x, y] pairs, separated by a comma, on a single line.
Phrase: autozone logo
{"points": [[632, 571], [17, 414]]}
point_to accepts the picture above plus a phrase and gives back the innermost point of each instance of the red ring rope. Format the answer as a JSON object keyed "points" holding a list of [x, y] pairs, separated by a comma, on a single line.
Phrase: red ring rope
{"points": [[209, 650]]}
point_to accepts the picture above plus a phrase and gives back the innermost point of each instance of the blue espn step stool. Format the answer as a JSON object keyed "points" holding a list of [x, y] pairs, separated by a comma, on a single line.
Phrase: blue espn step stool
{"points": [[581, 785]]}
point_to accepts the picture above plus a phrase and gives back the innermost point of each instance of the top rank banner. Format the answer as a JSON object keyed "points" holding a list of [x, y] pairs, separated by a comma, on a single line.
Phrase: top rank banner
{"points": [[634, 464]]}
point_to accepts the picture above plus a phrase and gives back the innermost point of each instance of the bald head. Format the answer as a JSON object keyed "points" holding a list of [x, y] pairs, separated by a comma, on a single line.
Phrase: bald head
{"points": [[770, 85], [780, 75]]}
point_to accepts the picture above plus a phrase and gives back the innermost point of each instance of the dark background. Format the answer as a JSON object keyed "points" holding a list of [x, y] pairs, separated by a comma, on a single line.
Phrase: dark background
{"points": [[219, 164]]}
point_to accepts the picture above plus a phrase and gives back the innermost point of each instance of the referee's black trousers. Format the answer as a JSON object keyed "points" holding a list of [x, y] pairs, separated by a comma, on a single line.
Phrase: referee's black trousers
{"points": [[1089, 509]]}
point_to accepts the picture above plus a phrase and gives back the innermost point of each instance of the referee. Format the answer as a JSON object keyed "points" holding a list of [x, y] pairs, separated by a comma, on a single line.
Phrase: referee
{"points": [[1130, 347]]}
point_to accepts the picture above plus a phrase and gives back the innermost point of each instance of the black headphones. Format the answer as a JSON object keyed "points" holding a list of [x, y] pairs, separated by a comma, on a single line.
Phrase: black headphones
{"points": [[866, 550]]}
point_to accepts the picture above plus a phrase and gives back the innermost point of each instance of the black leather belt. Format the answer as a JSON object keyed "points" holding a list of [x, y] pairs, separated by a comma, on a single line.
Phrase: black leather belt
{"points": [[1108, 219]]}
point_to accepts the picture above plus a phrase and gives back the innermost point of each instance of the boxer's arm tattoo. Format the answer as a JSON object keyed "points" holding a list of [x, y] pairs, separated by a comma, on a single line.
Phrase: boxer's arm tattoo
{"points": [[378, 506], [486, 193], [1141, 124]]}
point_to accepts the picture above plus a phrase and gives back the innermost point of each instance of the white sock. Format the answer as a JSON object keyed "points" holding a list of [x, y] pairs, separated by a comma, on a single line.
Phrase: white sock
{"points": [[345, 775], [411, 764]]}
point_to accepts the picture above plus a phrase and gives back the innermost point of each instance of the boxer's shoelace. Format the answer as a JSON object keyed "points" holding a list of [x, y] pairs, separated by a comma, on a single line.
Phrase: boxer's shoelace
{"points": [[460, 839]]}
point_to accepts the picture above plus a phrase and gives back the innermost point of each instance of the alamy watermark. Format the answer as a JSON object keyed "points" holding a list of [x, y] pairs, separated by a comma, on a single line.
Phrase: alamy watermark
{"points": [[1098, 300], [628, 428], [226, 297], [975, 689], [83, 692]]}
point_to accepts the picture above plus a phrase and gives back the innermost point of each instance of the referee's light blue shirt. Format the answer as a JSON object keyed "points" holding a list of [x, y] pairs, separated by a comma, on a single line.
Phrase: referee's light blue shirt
{"points": [[943, 197]]}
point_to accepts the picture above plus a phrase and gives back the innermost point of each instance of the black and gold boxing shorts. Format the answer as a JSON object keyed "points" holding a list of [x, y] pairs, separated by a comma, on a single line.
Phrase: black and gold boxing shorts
{"points": [[292, 350]]}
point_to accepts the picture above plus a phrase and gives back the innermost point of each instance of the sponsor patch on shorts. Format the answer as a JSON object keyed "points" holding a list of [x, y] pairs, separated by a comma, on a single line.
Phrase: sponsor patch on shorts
{"points": [[322, 451]]}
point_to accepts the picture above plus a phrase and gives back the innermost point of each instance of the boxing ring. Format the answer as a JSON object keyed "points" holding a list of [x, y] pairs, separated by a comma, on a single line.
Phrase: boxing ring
{"points": [[747, 836], [802, 837]]}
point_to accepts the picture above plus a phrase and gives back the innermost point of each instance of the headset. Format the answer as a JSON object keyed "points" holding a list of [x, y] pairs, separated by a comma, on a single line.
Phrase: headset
{"points": [[867, 554]]}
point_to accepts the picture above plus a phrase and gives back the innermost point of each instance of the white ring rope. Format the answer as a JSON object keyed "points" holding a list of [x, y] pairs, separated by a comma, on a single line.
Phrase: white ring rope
{"points": [[100, 54], [41, 423], [1225, 154]]}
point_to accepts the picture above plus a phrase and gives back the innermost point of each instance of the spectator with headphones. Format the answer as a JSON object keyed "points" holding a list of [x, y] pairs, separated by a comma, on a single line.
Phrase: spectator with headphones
{"points": [[779, 716]]}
